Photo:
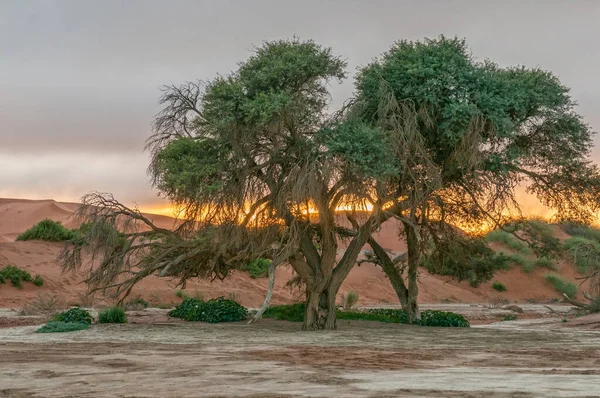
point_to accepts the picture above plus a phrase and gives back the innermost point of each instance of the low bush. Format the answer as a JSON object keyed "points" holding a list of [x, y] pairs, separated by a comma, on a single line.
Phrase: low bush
{"points": [[181, 294], [258, 268], [211, 311], [61, 327], [44, 303], [295, 313], [73, 315], [511, 317], [15, 275], [499, 286], [38, 280], [48, 230], [112, 315], [508, 239], [350, 300], [137, 303], [560, 285], [582, 230], [584, 252], [545, 262], [286, 312]]}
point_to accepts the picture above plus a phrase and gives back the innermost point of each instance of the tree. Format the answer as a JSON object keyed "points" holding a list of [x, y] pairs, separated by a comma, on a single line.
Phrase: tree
{"points": [[243, 156], [460, 136]]}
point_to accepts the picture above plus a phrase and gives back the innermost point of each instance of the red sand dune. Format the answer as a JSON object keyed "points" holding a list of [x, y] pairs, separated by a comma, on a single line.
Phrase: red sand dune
{"points": [[17, 215]]}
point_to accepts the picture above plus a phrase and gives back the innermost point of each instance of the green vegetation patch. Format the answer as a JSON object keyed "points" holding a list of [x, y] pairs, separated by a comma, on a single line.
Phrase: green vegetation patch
{"points": [[295, 313], [511, 317], [499, 286], [61, 327], [15, 275], [48, 230], [73, 315], [112, 315], [584, 252], [508, 239], [212, 311], [561, 285], [258, 268]]}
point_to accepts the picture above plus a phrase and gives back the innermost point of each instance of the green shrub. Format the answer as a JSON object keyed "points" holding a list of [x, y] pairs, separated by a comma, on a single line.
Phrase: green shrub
{"points": [[258, 268], [398, 315], [366, 316], [183, 295], [73, 315], [499, 286], [48, 230], [545, 262], [112, 315], [507, 239], [584, 252], [286, 312], [60, 327], [211, 311], [443, 319], [15, 275], [581, 230], [38, 280], [594, 306], [511, 317], [560, 285], [136, 304]]}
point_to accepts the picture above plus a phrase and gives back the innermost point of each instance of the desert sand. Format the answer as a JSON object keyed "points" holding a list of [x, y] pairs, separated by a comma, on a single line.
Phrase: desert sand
{"points": [[37, 257]]}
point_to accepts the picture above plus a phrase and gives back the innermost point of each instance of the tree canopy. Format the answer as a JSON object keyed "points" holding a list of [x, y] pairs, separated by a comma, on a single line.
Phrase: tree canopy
{"points": [[260, 167]]}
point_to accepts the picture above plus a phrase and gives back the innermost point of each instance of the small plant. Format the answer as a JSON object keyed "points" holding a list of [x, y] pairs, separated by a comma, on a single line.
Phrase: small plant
{"points": [[61, 327], [136, 304], [233, 296], [508, 239], [350, 300], [43, 304], [511, 317], [443, 319], [48, 230], [286, 312], [15, 275], [560, 285], [545, 262], [211, 311], [74, 315], [38, 280], [112, 315], [584, 252], [182, 295], [496, 301], [258, 268], [499, 286], [564, 320]]}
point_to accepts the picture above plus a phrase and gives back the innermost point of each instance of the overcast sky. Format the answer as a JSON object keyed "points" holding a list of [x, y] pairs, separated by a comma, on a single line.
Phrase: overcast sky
{"points": [[79, 79]]}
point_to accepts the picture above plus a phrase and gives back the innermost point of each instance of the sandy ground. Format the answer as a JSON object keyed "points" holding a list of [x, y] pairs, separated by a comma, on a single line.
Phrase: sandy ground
{"points": [[159, 358]]}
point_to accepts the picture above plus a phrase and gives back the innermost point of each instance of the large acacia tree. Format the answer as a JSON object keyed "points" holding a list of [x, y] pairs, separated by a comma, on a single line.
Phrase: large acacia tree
{"points": [[461, 136], [243, 156]]}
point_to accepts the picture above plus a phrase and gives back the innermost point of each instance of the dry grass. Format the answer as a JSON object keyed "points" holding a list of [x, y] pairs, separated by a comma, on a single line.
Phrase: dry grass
{"points": [[44, 304], [496, 301]]}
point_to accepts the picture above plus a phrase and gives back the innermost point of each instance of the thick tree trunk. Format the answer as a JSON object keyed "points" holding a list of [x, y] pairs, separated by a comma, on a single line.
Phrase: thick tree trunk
{"points": [[389, 267], [320, 307]]}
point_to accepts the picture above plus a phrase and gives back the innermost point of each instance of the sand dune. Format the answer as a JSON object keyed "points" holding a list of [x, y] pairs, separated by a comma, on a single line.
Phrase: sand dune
{"points": [[17, 215]]}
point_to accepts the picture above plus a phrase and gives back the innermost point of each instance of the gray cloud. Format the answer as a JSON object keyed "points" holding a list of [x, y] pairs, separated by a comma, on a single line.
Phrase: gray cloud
{"points": [[81, 77]]}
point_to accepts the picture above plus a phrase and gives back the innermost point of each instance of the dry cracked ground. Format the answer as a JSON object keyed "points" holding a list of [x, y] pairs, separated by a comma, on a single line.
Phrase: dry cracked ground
{"points": [[274, 359]]}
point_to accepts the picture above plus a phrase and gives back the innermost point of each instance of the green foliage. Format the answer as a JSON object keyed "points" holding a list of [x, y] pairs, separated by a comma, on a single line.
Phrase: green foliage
{"points": [[286, 312], [112, 315], [545, 262], [539, 233], [499, 286], [584, 252], [61, 327], [258, 268], [183, 295], [511, 317], [465, 258], [15, 275], [295, 313], [74, 315], [137, 302], [38, 280], [560, 285], [211, 311], [48, 230], [443, 319], [594, 306], [507, 239], [582, 230]]}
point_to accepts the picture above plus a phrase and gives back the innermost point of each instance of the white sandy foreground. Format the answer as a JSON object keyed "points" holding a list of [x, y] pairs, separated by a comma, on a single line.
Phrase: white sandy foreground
{"points": [[536, 358]]}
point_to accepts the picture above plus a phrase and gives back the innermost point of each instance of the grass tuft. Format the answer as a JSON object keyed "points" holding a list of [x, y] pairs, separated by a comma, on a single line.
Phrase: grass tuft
{"points": [[561, 285], [112, 315]]}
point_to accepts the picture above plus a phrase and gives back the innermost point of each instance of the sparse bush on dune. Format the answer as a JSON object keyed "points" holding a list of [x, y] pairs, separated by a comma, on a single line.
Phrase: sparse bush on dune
{"points": [[38, 280], [584, 252], [582, 230], [112, 315], [48, 230], [561, 285], [499, 286], [507, 239], [15, 275]]}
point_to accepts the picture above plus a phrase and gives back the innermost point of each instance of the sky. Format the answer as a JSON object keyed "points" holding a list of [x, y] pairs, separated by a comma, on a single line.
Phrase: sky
{"points": [[79, 80]]}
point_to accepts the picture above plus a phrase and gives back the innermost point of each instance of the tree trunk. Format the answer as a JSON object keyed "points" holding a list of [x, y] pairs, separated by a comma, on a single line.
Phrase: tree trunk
{"points": [[320, 312], [414, 256], [389, 267], [265, 305]]}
